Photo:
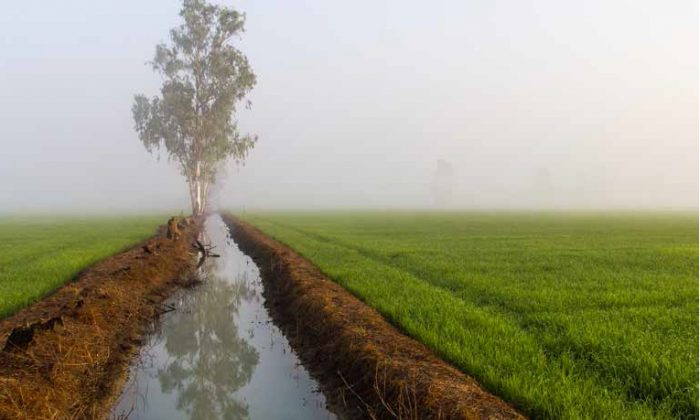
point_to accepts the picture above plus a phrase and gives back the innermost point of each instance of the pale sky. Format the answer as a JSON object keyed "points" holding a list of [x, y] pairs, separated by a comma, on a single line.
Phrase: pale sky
{"points": [[533, 104]]}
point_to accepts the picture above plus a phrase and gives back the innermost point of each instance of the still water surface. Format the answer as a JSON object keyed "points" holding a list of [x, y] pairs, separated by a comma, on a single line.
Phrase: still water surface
{"points": [[218, 355]]}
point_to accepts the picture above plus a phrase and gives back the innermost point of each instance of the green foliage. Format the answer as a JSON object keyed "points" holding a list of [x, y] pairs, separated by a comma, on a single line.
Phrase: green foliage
{"points": [[38, 255], [565, 315], [205, 77]]}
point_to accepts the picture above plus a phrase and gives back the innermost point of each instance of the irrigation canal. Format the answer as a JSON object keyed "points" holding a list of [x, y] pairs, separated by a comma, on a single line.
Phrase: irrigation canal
{"points": [[218, 353]]}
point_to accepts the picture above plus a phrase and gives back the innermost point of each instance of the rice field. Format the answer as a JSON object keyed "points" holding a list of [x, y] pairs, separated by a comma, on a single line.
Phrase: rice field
{"points": [[565, 315], [39, 254]]}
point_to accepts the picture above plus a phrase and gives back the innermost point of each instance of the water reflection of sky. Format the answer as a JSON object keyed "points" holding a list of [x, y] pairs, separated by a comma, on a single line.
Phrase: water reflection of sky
{"points": [[218, 355]]}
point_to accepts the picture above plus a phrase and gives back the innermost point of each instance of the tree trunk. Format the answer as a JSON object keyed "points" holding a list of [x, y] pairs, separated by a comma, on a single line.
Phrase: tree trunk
{"points": [[205, 196], [193, 201], [199, 197], [202, 196], [198, 189]]}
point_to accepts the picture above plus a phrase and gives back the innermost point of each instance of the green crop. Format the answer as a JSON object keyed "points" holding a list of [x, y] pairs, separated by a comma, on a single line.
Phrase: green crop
{"points": [[39, 254], [565, 315]]}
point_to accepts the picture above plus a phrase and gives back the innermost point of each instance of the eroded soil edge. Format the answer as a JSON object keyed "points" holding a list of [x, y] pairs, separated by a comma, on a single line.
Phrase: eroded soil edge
{"points": [[357, 355], [66, 356]]}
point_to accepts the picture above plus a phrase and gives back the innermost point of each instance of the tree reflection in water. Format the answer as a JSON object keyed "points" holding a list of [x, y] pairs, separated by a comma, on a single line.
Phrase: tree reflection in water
{"points": [[208, 360]]}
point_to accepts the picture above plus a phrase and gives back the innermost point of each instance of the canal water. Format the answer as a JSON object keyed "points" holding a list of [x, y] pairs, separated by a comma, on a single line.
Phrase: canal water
{"points": [[218, 355]]}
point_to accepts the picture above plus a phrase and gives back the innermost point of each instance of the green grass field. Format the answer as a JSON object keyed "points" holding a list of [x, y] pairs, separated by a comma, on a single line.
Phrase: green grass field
{"points": [[565, 315], [39, 254]]}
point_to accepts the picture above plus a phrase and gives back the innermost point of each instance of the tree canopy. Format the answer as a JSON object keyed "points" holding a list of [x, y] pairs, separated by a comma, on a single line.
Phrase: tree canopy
{"points": [[205, 78]]}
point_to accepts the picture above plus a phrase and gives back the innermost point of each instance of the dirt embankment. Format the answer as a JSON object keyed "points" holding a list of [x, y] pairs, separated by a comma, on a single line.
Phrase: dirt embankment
{"points": [[66, 356], [353, 351]]}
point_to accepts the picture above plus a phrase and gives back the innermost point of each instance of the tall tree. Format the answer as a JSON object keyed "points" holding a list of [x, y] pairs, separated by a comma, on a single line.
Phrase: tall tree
{"points": [[205, 79]]}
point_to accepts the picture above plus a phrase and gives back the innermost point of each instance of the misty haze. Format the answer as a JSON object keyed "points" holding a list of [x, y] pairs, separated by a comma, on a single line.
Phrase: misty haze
{"points": [[543, 105], [237, 209]]}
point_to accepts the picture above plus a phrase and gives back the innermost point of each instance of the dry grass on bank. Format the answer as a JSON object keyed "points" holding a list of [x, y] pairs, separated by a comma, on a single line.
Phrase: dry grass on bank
{"points": [[84, 333]]}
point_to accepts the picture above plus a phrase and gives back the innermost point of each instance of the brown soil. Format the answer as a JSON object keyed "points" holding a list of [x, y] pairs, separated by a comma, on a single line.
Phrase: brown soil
{"points": [[66, 356], [353, 351]]}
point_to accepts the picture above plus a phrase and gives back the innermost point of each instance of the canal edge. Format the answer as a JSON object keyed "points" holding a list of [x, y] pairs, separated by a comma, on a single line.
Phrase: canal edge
{"points": [[86, 333], [352, 350]]}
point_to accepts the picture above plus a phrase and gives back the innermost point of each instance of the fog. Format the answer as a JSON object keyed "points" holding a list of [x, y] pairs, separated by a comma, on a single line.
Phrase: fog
{"points": [[368, 104]]}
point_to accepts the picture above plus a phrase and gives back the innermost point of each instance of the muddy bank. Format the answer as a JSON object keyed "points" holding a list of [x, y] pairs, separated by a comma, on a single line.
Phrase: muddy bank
{"points": [[65, 356], [355, 353]]}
